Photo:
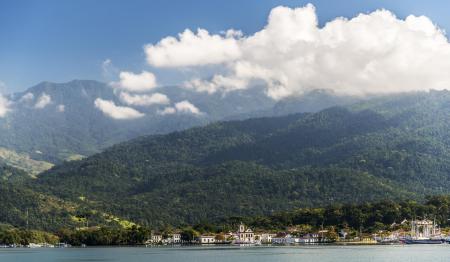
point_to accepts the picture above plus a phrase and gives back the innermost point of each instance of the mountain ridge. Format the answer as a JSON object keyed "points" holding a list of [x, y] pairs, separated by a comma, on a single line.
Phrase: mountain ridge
{"points": [[363, 152], [66, 124]]}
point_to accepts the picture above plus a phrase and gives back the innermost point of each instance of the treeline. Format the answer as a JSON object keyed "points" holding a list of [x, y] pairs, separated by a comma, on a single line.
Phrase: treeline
{"points": [[105, 236], [95, 236], [15, 236], [367, 217]]}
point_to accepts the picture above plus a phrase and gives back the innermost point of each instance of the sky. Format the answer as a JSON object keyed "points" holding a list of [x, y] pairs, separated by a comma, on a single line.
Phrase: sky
{"points": [[57, 41]]}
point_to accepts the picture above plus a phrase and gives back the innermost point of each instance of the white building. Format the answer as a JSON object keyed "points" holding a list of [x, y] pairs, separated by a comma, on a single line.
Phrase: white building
{"points": [[245, 235], [206, 239], [310, 239], [154, 239], [174, 238], [265, 238], [285, 239]]}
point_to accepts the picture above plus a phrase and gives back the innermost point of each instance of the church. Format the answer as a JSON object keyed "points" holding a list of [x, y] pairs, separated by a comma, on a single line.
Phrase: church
{"points": [[245, 235]]}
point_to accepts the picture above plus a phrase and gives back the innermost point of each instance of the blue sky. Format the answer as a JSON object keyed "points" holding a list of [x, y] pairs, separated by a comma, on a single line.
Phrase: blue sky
{"points": [[50, 40]]}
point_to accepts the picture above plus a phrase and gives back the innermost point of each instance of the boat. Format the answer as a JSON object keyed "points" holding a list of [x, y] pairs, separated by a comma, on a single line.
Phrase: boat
{"points": [[423, 241], [62, 245], [34, 245], [424, 232], [389, 240]]}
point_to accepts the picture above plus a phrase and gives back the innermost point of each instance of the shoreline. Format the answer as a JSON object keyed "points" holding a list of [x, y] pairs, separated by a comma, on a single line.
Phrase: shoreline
{"points": [[213, 246]]}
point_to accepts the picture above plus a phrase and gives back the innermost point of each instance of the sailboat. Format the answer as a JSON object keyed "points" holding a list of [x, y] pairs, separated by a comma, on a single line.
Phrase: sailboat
{"points": [[424, 232]]}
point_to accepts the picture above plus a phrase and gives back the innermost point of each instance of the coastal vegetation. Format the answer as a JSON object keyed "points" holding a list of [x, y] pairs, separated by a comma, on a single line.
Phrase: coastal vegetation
{"points": [[385, 148], [368, 218]]}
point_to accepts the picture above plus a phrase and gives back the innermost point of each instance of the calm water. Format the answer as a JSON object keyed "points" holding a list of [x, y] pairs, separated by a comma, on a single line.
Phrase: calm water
{"points": [[435, 253]]}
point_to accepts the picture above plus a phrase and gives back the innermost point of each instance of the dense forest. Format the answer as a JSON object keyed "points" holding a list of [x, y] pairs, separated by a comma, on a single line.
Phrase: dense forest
{"points": [[386, 148], [395, 148], [367, 218]]}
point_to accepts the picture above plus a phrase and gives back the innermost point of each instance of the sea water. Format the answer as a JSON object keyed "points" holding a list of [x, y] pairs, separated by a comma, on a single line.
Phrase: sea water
{"points": [[404, 253]]}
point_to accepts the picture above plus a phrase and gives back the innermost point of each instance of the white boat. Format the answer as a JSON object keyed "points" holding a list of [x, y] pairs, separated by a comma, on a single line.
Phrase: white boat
{"points": [[34, 245], [424, 232]]}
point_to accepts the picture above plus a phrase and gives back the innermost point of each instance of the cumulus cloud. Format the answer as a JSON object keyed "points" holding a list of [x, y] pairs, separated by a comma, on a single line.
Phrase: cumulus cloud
{"points": [[374, 53], [144, 100], [183, 107], [131, 82], [167, 111], [108, 69], [28, 97], [217, 83], [192, 49], [43, 101], [4, 106], [109, 108], [187, 107]]}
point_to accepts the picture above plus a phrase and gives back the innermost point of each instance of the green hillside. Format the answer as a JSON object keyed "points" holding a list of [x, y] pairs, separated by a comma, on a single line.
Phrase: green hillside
{"points": [[394, 148], [23, 207], [23, 161]]}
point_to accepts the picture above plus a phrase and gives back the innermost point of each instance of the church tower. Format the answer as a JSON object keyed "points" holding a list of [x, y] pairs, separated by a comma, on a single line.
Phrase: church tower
{"points": [[241, 228]]}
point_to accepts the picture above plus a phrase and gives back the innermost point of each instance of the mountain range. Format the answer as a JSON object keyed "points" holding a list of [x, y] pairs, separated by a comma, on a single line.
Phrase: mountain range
{"points": [[393, 147], [53, 122]]}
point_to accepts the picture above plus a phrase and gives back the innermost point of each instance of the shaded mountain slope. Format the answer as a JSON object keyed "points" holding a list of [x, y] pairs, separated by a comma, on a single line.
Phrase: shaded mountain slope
{"points": [[66, 124], [393, 147]]}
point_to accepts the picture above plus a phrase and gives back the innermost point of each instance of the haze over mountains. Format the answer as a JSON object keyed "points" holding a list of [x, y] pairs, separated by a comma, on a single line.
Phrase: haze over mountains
{"points": [[55, 122]]}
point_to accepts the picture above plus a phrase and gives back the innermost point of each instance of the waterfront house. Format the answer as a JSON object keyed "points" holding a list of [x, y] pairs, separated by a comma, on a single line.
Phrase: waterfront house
{"points": [[310, 239], [265, 238], [155, 238], [285, 239], [206, 239], [174, 238]]}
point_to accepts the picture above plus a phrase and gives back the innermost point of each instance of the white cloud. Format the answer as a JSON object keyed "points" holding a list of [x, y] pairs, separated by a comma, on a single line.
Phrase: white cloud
{"points": [[43, 101], [110, 109], [183, 107], [217, 83], [61, 108], [144, 100], [192, 49], [187, 107], [167, 111], [27, 98], [131, 82], [374, 53], [108, 69], [4, 106]]}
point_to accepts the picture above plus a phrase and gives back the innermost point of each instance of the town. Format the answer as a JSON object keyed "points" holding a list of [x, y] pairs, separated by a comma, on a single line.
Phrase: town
{"points": [[412, 231], [421, 232]]}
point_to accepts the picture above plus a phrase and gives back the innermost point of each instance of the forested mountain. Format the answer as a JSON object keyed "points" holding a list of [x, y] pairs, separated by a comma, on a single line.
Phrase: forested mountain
{"points": [[55, 122], [396, 147], [21, 206]]}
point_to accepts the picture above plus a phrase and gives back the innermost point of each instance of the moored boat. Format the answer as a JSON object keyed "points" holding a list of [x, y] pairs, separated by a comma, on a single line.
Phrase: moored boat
{"points": [[423, 241], [424, 232]]}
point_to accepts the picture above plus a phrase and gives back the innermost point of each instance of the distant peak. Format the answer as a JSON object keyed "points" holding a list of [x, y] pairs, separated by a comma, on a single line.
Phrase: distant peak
{"points": [[76, 84]]}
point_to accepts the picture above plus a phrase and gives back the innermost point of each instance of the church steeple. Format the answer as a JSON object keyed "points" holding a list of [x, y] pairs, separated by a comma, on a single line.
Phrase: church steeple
{"points": [[241, 227]]}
